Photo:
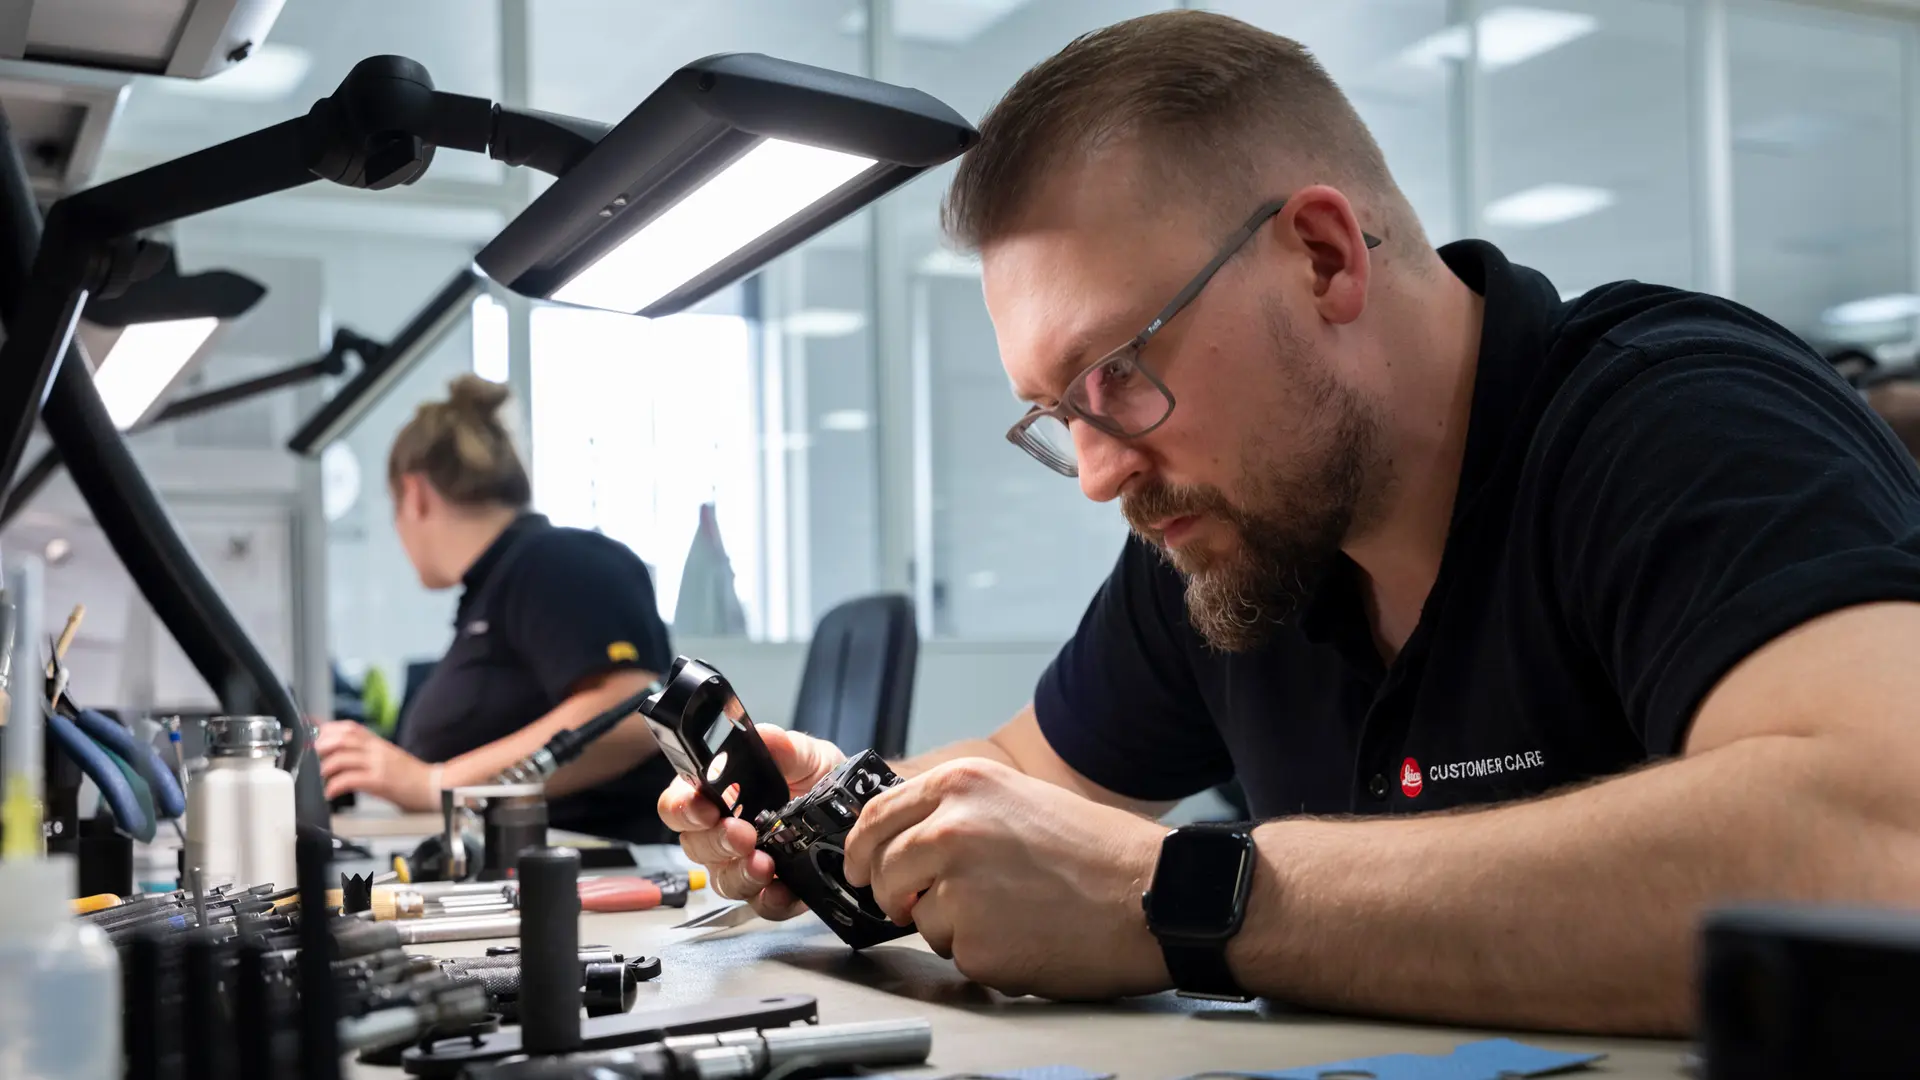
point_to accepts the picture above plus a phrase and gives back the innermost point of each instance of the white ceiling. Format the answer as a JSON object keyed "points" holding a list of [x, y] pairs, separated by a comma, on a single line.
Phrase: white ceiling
{"points": [[1821, 212]]}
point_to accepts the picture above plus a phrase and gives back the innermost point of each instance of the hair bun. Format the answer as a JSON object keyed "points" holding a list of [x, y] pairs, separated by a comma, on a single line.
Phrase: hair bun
{"points": [[474, 396]]}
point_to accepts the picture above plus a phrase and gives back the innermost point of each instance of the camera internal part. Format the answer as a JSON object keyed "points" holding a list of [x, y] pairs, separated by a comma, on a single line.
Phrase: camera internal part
{"points": [[706, 733]]}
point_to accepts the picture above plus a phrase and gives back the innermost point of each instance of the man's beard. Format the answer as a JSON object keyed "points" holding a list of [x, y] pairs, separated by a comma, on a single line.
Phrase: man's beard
{"points": [[1299, 508]]}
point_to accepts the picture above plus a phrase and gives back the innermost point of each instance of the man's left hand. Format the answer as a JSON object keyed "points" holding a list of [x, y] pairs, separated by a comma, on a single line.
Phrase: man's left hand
{"points": [[353, 758], [1027, 887]]}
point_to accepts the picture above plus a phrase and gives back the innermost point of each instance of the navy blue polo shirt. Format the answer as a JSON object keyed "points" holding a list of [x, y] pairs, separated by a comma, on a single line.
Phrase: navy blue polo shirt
{"points": [[1655, 484], [544, 610]]}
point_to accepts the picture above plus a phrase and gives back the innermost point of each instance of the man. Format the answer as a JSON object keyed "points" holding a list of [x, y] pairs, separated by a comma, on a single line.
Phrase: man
{"points": [[1629, 586]]}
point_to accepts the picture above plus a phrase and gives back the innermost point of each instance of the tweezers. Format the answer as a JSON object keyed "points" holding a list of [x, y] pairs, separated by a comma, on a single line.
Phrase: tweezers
{"points": [[731, 915]]}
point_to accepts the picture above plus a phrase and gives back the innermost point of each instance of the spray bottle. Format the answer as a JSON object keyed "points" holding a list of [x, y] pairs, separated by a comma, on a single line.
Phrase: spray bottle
{"points": [[59, 976]]}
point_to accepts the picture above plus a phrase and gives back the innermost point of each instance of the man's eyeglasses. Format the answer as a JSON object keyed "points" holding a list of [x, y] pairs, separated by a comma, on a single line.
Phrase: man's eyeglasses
{"points": [[1116, 393]]}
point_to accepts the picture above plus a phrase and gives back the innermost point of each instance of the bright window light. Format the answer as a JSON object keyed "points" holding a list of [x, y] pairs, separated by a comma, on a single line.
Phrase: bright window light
{"points": [[1508, 36], [1873, 309], [749, 198], [144, 361], [637, 423], [1548, 204], [489, 339]]}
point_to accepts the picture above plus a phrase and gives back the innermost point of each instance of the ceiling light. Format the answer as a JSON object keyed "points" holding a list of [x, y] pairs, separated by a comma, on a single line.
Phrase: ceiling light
{"points": [[145, 361], [943, 263], [1873, 309], [1548, 204], [1508, 36], [734, 160], [269, 73], [824, 323], [845, 420]]}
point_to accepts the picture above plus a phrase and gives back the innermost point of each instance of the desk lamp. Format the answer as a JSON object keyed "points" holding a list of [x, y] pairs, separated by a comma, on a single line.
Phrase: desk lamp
{"points": [[149, 338], [648, 216], [333, 362]]}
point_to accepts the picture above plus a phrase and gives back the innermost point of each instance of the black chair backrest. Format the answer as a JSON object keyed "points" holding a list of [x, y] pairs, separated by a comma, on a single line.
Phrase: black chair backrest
{"points": [[858, 685]]}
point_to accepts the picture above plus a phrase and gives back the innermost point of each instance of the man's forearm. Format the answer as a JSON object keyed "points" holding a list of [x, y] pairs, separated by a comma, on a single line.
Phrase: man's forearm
{"points": [[982, 748], [1576, 911]]}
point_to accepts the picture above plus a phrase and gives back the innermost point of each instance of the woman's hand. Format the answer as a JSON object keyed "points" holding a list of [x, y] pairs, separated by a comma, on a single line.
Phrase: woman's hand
{"points": [[352, 758]]}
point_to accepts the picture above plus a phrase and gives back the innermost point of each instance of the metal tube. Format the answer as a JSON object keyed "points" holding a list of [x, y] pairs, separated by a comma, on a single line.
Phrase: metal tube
{"points": [[476, 928]]}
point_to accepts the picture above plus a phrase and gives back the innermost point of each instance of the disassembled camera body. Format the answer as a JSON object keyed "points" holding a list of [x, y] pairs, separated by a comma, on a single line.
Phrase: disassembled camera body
{"points": [[706, 733]]}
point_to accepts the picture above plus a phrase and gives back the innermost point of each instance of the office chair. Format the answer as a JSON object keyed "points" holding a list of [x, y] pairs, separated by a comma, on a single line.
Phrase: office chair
{"points": [[858, 685]]}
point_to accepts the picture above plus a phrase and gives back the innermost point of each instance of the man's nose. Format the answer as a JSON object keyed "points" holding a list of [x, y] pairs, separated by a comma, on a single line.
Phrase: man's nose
{"points": [[1106, 462]]}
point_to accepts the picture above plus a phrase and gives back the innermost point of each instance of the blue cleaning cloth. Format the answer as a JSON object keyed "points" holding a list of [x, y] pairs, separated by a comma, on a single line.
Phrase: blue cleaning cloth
{"points": [[1491, 1059]]}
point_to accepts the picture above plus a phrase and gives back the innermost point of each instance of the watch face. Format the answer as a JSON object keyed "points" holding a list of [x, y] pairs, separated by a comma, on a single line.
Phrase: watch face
{"points": [[1197, 885]]}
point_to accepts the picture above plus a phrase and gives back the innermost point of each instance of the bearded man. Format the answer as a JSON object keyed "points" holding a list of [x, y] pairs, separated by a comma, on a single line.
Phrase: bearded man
{"points": [[1627, 586]]}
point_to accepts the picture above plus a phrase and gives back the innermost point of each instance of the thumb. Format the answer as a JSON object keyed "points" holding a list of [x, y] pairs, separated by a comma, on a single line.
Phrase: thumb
{"points": [[802, 758]]}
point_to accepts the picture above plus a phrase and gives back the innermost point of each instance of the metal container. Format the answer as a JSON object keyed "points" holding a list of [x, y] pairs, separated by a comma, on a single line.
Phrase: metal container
{"points": [[240, 807]]}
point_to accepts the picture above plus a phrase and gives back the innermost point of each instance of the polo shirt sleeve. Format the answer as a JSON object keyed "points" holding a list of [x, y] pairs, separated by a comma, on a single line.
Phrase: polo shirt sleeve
{"points": [[1119, 703], [1713, 503], [581, 606]]}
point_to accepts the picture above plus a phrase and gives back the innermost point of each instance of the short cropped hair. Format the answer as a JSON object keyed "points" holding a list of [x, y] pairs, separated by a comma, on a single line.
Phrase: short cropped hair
{"points": [[1207, 99]]}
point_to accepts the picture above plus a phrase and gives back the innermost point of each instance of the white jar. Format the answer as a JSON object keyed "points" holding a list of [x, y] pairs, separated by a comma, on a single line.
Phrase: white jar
{"points": [[240, 807], [59, 979]]}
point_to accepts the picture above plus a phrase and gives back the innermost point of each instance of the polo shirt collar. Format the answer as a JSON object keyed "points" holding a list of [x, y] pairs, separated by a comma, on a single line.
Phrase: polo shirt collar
{"points": [[1516, 331], [527, 522]]}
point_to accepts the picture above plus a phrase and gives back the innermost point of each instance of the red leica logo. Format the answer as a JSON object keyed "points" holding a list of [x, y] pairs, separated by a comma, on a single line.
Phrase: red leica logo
{"points": [[1410, 778]]}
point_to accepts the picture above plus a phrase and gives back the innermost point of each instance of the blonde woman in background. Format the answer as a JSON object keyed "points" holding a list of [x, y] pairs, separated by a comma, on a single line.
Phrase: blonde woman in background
{"points": [[554, 625]]}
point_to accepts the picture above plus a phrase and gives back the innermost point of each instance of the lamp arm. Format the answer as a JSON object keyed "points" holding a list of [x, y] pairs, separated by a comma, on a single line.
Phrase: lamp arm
{"points": [[549, 142]]}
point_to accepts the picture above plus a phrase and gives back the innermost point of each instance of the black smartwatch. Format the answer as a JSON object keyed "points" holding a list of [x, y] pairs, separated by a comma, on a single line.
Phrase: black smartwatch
{"points": [[1196, 904]]}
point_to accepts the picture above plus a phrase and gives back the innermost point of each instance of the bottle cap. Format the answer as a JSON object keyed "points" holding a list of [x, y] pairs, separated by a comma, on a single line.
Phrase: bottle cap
{"points": [[241, 735], [36, 895]]}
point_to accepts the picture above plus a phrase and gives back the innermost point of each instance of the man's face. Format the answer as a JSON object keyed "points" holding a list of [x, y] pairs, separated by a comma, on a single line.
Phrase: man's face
{"points": [[1269, 459]]}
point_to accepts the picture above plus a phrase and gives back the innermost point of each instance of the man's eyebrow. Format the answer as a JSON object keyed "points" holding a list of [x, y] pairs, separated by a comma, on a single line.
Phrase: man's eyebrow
{"points": [[1072, 360]]}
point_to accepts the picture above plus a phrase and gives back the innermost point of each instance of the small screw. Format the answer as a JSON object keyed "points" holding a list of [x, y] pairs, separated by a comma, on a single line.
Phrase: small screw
{"points": [[240, 52], [606, 211], [619, 200]]}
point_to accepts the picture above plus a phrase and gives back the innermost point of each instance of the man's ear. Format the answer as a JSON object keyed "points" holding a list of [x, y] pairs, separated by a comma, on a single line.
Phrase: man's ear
{"points": [[1321, 223]]}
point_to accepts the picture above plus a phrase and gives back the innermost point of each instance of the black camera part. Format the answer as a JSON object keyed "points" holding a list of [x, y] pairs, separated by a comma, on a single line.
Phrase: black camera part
{"points": [[706, 733], [1799, 993]]}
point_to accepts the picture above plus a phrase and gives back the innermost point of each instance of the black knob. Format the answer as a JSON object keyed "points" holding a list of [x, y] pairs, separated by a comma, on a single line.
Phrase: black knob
{"points": [[550, 950]]}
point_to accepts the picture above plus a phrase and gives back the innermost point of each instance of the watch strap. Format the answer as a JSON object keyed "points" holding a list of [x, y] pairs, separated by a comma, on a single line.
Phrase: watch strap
{"points": [[1201, 970]]}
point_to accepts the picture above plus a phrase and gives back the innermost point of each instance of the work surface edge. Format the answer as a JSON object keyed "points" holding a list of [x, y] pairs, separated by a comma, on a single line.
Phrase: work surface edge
{"points": [[978, 1030]]}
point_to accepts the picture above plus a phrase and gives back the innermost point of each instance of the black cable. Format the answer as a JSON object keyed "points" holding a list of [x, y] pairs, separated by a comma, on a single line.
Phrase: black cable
{"points": [[566, 746]]}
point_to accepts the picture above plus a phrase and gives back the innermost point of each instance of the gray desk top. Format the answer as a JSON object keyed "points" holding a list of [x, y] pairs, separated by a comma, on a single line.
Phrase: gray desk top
{"points": [[978, 1030]]}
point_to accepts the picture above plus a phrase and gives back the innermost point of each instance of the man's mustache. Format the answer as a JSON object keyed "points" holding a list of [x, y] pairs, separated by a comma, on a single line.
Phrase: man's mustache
{"points": [[1148, 506]]}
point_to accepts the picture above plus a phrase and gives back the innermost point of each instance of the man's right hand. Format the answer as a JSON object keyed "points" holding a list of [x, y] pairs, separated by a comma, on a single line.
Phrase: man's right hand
{"points": [[725, 846]]}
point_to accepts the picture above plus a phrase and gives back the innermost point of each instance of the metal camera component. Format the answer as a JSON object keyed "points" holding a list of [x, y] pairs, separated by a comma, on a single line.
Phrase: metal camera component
{"points": [[706, 733]]}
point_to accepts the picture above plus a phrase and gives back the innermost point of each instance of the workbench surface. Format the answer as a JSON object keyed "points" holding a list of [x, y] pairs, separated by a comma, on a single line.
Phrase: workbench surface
{"points": [[978, 1030]]}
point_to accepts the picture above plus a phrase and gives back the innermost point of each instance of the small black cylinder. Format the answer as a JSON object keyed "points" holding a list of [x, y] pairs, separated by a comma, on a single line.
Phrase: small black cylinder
{"points": [[319, 1011], [140, 1012], [253, 1012], [513, 824], [203, 1038], [550, 950]]}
